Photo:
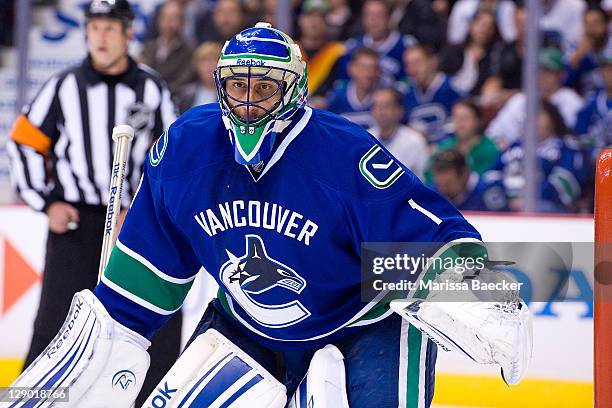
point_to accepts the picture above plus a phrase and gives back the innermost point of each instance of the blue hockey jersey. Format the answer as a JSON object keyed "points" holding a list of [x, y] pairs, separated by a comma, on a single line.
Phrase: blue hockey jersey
{"points": [[564, 171], [343, 101], [391, 53], [285, 247], [594, 120], [483, 193], [429, 110]]}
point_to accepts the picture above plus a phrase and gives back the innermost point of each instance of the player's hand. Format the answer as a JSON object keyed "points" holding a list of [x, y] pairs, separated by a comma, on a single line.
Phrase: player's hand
{"points": [[62, 217]]}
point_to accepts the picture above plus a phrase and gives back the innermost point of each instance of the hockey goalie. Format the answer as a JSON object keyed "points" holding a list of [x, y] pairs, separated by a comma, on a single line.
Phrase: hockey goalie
{"points": [[273, 199]]}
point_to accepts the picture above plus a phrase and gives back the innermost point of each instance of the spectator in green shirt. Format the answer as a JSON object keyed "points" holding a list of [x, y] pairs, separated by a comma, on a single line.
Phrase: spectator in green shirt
{"points": [[480, 152]]}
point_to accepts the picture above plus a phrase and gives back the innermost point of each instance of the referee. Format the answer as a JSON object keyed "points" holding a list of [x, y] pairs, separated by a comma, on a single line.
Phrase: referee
{"points": [[61, 155]]}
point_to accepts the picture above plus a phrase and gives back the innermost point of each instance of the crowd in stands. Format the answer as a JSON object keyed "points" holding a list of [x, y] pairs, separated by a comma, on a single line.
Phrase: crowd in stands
{"points": [[438, 82]]}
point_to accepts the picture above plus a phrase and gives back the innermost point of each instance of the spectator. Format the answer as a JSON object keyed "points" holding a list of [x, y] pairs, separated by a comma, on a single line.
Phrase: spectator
{"points": [[480, 152], [320, 53], [379, 36], [430, 94], [463, 12], [509, 123], [418, 18], [169, 53], [339, 19], [467, 190], [506, 67], [595, 119], [269, 8], [563, 19], [471, 62], [226, 20], [354, 99], [406, 144], [562, 165], [193, 9], [582, 70], [203, 90]]}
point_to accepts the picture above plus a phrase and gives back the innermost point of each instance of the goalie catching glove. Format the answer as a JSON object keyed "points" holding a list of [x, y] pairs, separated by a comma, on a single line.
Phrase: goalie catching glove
{"points": [[100, 362], [491, 329]]}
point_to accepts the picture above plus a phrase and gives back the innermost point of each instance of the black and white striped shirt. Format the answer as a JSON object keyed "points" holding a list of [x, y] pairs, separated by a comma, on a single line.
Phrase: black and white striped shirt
{"points": [[61, 147]]}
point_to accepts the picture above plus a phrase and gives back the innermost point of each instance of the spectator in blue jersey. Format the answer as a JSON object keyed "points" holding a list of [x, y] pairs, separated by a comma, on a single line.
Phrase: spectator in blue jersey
{"points": [[430, 94], [594, 121], [382, 38], [582, 72], [562, 163], [467, 190], [405, 143], [353, 99]]}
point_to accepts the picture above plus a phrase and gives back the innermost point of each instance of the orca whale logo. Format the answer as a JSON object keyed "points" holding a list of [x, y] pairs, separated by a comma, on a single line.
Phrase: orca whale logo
{"points": [[255, 273]]}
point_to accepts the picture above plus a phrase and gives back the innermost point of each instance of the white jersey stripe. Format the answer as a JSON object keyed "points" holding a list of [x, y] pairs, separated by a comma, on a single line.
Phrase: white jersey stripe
{"points": [[98, 129], [28, 192], [40, 106], [74, 129], [64, 173]]}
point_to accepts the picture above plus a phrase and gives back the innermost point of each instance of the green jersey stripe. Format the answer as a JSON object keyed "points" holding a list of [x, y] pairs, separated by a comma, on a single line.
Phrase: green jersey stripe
{"points": [[152, 267], [414, 374], [140, 281]]}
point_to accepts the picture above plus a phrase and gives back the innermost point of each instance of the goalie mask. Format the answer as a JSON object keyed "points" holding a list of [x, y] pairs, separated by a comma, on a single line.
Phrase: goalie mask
{"points": [[261, 83]]}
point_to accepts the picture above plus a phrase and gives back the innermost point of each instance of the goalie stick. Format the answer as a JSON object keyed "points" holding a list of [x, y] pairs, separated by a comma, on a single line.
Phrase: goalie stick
{"points": [[122, 135], [79, 357]]}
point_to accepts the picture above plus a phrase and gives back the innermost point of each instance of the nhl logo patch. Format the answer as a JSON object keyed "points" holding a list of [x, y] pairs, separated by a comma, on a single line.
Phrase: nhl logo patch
{"points": [[138, 116]]}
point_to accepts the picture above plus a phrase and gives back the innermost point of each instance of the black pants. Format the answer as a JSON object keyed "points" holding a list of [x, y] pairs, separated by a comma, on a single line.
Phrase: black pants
{"points": [[71, 265]]}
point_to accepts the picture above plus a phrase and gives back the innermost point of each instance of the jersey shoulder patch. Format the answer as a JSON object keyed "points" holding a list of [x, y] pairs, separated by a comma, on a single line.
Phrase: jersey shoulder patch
{"points": [[156, 153], [379, 168], [196, 138], [351, 160]]}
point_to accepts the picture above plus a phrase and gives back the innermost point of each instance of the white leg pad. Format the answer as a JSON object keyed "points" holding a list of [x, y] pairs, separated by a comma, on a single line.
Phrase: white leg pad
{"points": [[213, 372], [88, 356], [325, 383]]}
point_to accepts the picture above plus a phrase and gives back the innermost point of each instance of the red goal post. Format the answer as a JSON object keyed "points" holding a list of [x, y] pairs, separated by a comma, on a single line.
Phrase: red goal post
{"points": [[602, 322]]}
